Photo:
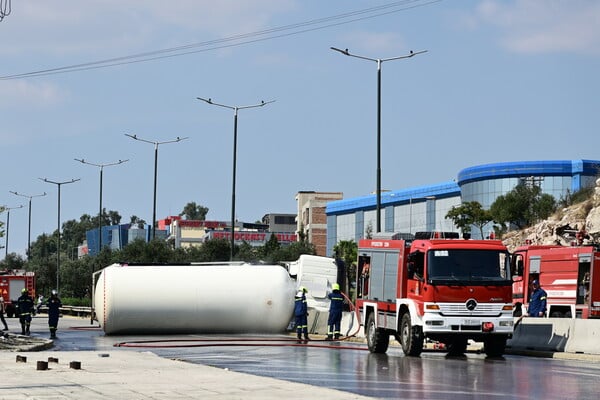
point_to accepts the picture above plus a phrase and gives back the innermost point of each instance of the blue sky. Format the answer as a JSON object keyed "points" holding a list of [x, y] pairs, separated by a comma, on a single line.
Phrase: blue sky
{"points": [[501, 81]]}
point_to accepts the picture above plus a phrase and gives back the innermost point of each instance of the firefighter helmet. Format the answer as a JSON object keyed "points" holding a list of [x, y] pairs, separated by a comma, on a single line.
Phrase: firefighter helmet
{"points": [[24, 290], [299, 293], [54, 292], [335, 286]]}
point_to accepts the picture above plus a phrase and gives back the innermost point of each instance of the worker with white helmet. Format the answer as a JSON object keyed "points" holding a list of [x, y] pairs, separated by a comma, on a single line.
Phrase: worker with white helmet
{"points": [[54, 305], [301, 314]]}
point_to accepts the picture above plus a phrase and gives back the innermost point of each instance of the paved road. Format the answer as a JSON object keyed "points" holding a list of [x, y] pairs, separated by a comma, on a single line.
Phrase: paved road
{"points": [[350, 368]]}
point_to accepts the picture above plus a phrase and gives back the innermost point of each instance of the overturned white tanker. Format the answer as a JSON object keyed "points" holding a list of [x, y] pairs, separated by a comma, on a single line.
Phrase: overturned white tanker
{"points": [[211, 298]]}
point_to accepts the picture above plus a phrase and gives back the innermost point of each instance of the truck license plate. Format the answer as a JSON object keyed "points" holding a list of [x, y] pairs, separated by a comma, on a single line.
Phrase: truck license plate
{"points": [[470, 322]]}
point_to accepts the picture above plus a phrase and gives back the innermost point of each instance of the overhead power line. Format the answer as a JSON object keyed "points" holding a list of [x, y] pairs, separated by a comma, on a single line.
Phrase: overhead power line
{"points": [[235, 40]]}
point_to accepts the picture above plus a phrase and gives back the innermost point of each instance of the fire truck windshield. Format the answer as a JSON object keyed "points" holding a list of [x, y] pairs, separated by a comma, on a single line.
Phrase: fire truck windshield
{"points": [[468, 266]]}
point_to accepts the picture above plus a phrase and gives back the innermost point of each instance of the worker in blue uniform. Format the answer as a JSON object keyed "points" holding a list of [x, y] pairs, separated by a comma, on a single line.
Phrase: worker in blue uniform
{"points": [[537, 300], [26, 309], [301, 314], [54, 305], [336, 305]]}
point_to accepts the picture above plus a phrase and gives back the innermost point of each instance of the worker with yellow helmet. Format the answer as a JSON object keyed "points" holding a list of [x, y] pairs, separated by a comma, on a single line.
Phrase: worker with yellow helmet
{"points": [[336, 305], [25, 305]]}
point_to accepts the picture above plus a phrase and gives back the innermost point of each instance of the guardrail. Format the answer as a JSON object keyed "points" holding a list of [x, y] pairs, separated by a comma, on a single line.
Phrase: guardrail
{"points": [[78, 311]]}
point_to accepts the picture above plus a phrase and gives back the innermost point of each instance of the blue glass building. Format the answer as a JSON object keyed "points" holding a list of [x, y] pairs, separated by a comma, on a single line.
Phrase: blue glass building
{"points": [[424, 208]]}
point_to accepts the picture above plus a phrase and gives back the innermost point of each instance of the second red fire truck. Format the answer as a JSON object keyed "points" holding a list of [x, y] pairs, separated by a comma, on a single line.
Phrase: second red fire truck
{"points": [[11, 284], [569, 275], [435, 287]]}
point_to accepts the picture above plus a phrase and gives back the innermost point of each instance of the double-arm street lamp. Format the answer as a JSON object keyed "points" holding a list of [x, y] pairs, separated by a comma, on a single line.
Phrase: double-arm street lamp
{"points": [[7, 209], [235, 118], [156, 144], [29, 229], [101, 166], [58, 184], [379, 61]]}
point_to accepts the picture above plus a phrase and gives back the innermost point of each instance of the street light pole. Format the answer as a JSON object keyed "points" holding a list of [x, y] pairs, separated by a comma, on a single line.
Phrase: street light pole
{"points": [[101, 166], [7, 209], [29, 229], [379, 61], [58, 184], [156, 144], [235, 119]]}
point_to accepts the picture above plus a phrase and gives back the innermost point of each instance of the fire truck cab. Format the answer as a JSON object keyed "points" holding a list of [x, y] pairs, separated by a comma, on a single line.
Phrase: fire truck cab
{"points": [[438, 287]]}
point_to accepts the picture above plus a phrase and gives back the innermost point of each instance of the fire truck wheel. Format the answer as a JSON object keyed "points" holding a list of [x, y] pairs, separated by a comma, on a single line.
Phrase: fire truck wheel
{"points": [[411, 338], [494, 346], [377, 339], [457, 347]]}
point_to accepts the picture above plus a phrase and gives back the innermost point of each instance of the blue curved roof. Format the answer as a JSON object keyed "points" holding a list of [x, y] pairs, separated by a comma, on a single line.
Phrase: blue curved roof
{"points": [[440, 190], [479, 172], [528, 168]]}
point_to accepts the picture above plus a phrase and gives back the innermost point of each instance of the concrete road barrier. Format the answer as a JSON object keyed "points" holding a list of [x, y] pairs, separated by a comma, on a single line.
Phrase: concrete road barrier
{"points": [[557, 335], [586, 337]]}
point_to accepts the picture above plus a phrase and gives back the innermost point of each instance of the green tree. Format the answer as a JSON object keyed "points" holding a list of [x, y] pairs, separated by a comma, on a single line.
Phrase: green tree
{"points": [[42, 261], [154, 252], [522, 206], [272, 246], [468, 214], [193, 211], [369, 231], [134, 220], [347, 251], [75, 277], [214, 250], [74, 232], [249, 253], [292, 252], [12, 261], [114, 217]]}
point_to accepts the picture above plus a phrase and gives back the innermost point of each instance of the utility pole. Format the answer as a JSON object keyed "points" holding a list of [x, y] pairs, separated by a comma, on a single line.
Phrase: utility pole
{"points": [[235, 119]]}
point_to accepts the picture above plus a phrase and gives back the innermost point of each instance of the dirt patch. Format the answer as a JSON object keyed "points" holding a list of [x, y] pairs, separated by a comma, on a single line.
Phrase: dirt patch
{"points": [[13, 342]]}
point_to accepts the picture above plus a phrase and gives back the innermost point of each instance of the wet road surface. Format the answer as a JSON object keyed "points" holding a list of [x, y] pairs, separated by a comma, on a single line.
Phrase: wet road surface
{"points": [[350, 367]]}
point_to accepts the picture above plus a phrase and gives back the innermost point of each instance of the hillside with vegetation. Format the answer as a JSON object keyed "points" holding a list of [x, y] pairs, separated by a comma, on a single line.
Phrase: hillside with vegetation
{"points": [[578, 223]]}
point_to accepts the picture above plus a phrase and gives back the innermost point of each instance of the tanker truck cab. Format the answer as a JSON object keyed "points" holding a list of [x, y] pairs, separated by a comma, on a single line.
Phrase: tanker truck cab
{"points": [[446, 290]]}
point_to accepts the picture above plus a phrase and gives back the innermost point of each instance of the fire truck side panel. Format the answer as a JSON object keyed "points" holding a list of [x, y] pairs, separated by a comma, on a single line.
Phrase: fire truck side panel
{"points": [[565, 273], [382, 281]]}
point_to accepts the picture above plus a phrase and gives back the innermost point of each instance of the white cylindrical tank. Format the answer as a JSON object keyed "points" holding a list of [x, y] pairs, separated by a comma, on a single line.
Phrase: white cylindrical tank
{"points": [[232, 298]]}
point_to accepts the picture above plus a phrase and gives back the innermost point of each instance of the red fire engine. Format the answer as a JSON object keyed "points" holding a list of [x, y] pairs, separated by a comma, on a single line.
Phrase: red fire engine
{"points": [[446, 290], [11, 284], [569, 275]]}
